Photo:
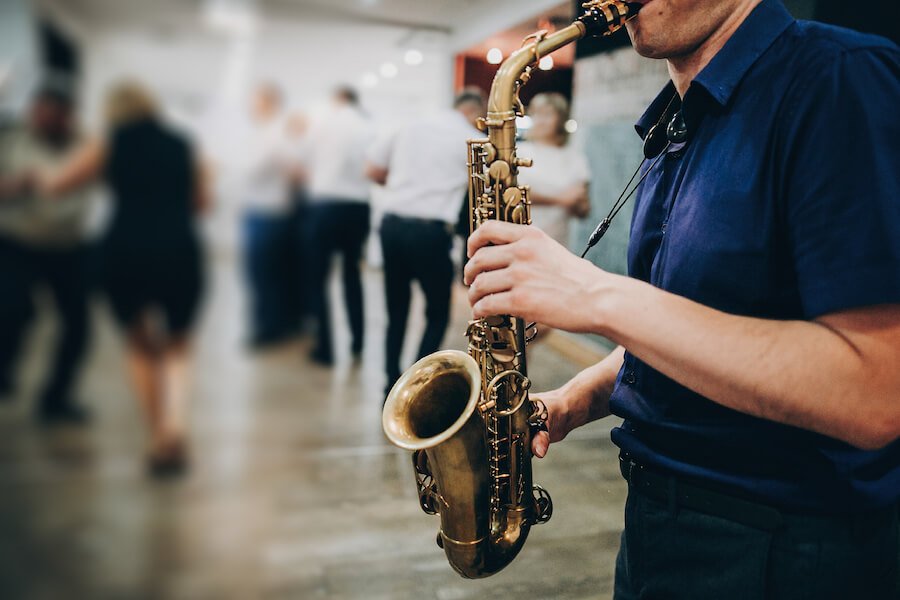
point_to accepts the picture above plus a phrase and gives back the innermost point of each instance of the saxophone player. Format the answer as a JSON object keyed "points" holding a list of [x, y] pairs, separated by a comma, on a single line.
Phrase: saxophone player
{"points": [[759, 329]]}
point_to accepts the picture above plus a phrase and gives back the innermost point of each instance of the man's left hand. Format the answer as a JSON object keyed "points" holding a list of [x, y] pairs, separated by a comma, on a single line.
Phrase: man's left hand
{"points": [[521, 271]]}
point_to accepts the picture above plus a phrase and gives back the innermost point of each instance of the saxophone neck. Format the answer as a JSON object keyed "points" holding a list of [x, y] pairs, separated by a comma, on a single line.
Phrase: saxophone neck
{"points": [[502, 100], [601, 17]]}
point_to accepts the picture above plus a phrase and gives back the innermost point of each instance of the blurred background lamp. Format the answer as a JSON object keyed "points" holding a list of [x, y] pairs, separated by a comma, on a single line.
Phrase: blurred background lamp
{"points": [[369, 80], [546, 63], [232, 17], [571, 126], [388, 70], [413, 57], [495, 56]]}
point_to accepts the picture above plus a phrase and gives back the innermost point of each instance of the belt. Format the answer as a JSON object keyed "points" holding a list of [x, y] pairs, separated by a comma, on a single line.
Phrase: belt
{"points": [[414, 221], [676, 492]]}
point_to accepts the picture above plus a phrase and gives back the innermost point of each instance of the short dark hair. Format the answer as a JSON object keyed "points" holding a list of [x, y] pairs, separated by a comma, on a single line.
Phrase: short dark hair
{"points": [[347, 94], [469, 94]]}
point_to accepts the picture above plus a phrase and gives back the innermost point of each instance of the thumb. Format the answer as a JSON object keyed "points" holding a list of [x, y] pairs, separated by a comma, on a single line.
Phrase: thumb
{"points": [[540, 443]]}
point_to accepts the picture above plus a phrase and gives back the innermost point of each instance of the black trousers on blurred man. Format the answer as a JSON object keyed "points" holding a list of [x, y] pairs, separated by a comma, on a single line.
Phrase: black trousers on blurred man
{"points": [[336, 226], [64, 272], [415, 250]]}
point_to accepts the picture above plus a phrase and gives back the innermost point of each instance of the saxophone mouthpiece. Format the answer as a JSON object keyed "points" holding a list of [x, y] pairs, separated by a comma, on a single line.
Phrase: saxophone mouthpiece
{"points": [[603, 17]]}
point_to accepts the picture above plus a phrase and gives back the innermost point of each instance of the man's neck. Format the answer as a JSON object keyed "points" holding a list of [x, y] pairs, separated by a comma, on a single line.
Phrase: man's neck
{"points": [[684, 68]]}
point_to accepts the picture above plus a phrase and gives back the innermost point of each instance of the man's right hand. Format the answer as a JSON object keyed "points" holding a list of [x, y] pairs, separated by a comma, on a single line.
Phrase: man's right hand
{"points": [[583, 399], [559, 421]]}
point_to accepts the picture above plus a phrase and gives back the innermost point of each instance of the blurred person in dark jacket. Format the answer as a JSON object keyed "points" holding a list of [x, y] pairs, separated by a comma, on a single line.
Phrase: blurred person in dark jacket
{"points": [[338, 215], [152, 259], [268, 222], [43, 242]]}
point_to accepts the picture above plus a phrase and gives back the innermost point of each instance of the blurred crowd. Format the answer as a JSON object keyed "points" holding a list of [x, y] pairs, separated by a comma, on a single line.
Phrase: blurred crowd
{"points": [[305, 189]]}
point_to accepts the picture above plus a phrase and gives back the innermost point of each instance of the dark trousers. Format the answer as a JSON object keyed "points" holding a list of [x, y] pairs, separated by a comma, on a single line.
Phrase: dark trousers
{"points": [[336, 227], [669, 552], [64, 272], [296, 263], [268, 246], [415, 250]]}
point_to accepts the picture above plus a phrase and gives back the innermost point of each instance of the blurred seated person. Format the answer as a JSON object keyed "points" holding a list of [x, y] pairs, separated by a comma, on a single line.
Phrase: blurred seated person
{"points": [[560, 175], [267, 220], [43, 242], [152, 260], [338, 216], [423, 168]]}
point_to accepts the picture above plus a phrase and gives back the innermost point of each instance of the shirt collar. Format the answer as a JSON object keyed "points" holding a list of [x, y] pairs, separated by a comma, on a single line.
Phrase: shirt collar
{"points": [[726, 69], [753, 37]]}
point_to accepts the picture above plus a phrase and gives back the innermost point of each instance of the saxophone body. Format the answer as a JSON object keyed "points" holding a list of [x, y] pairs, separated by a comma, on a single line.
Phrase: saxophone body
{"points": [[467, 416]]}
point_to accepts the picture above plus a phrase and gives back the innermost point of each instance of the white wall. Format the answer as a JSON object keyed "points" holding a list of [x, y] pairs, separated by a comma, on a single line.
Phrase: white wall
{"points": [[19, 59], [203, 79]]}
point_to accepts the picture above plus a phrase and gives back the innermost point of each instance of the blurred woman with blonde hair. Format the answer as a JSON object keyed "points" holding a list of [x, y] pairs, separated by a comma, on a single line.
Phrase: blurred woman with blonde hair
{"points": [[560, 175], [152, 259]]}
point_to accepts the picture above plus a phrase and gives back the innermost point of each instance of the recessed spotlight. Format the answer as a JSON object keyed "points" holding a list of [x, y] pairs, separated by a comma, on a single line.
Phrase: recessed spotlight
{"points": [[388, 70], [413, 57], [546, 63], [369, 80], [495, 56]]}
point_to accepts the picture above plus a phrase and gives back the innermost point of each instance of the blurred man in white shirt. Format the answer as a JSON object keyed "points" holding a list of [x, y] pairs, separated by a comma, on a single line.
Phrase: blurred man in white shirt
{"points": [[423, 168], [266, 199], [338, 215], [44, 241]]}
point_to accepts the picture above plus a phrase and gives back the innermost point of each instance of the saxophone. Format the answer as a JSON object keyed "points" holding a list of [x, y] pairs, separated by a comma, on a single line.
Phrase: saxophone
{"points": [[467, 416]]}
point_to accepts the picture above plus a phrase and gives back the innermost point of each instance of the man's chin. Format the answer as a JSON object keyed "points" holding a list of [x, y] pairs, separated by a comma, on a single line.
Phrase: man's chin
{"points": [[648, 50]]}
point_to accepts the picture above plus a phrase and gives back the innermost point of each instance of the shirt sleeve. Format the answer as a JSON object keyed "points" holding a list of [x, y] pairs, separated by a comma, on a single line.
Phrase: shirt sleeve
{"points": [[379, 151], [840, 180]]}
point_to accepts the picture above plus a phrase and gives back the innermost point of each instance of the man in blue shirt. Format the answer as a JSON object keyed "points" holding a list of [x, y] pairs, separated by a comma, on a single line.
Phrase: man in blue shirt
{"points": [[758, 367]]}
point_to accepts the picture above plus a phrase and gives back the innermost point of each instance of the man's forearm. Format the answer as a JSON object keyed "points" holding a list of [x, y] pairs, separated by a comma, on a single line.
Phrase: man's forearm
{"points": [[800, 373], [589, 391]]}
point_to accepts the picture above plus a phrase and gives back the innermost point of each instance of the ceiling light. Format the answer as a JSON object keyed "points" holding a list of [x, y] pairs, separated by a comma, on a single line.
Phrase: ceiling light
{"points": [[369, 80], [413, 57], [388, 70], [233, 17], [495, 56], [546, 63]]}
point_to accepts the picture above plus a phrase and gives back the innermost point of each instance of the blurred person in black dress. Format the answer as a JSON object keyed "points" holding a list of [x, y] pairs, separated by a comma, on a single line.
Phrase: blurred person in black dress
{"points": [[43, 242], [152, 259]]}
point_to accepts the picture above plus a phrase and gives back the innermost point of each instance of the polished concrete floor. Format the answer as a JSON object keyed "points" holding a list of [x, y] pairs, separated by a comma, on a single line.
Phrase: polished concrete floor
{"points": [[294, 492]]}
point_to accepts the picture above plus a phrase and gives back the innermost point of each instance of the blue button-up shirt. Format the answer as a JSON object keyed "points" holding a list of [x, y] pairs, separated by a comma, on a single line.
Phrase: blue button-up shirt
{"points": [[784, 203]]}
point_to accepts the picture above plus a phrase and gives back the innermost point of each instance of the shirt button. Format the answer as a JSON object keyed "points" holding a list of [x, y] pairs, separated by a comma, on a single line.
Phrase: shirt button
{"points": [[629, 377], [664, 226]]}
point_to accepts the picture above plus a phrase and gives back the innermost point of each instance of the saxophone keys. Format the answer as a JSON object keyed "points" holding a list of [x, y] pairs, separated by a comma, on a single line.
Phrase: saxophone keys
{"points": [[512, 196], [499, 170], [543, 505], [490, 152], [539, 414], [524, 162]]}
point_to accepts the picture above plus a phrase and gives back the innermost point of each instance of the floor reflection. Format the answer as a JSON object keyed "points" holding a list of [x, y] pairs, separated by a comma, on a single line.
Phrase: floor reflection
{"points": [[293, 490]]}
